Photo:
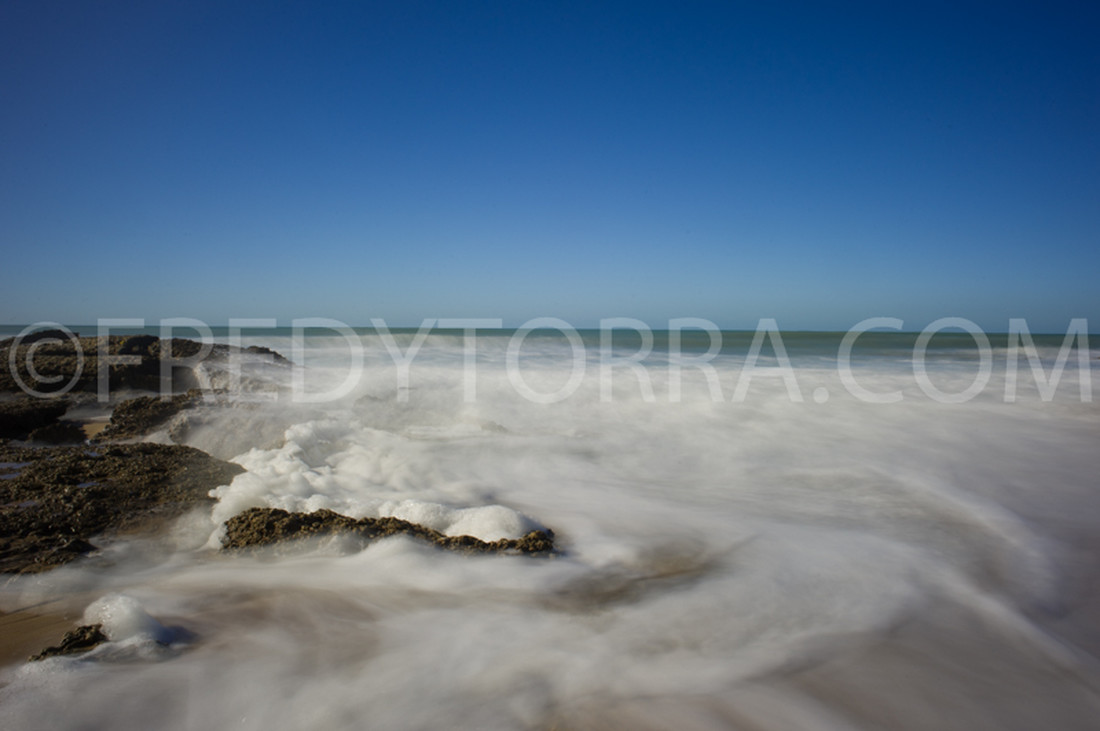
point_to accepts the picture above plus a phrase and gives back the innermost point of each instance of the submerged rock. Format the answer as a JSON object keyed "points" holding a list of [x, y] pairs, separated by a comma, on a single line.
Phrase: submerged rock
{"points": [[81, 639], [266, 526], [53, 501]]}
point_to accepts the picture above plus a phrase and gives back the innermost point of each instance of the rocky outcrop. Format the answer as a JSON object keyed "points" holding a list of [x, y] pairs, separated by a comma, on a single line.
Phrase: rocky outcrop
{"points": [[81, 639], [62, 373], [21, 416], [61, 432], [275, 356], [54, 501], [34, 337], [59, 363], [59, 360], [266, 526], [139, 416]]}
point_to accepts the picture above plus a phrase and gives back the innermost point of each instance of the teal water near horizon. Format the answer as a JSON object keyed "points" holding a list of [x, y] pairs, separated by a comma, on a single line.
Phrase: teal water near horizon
{"points": [[691, 339]]}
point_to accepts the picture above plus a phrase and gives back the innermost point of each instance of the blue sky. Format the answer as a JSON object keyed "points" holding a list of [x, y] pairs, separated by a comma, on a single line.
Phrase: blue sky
{"points": [[816, 164]]}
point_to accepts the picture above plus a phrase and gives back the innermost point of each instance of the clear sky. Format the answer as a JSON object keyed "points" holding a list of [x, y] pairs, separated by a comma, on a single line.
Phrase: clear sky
{"points": [[812, 162]]}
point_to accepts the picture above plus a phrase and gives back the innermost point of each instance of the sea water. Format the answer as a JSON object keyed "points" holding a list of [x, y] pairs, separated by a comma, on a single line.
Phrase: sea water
{"points": [[743, 542]]}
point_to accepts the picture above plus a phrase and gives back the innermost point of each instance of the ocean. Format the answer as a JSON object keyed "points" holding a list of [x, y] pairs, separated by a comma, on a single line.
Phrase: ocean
{"points": [[778, 531]]}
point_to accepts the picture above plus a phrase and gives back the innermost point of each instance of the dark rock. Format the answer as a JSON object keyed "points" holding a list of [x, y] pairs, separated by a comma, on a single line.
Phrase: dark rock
{"points": [[138, 416], [138, 345], [53, 501], [62, 432], [77, 362], [66, 364], [261, 350], [19, 417], [81, 639], [34, 337], [266, 526]]}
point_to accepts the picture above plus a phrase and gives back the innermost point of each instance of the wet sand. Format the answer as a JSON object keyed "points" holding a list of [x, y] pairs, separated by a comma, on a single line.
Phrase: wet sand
{"points": [[26, 631], [92, 428]]}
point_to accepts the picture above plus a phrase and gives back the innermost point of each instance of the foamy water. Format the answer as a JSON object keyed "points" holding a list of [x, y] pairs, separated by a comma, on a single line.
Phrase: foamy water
{"points": [[764, 562]]}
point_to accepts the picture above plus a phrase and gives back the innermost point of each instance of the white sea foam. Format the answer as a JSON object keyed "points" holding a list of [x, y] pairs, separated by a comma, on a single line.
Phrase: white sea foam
{"points": [[123, 618], [709, 549]]}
